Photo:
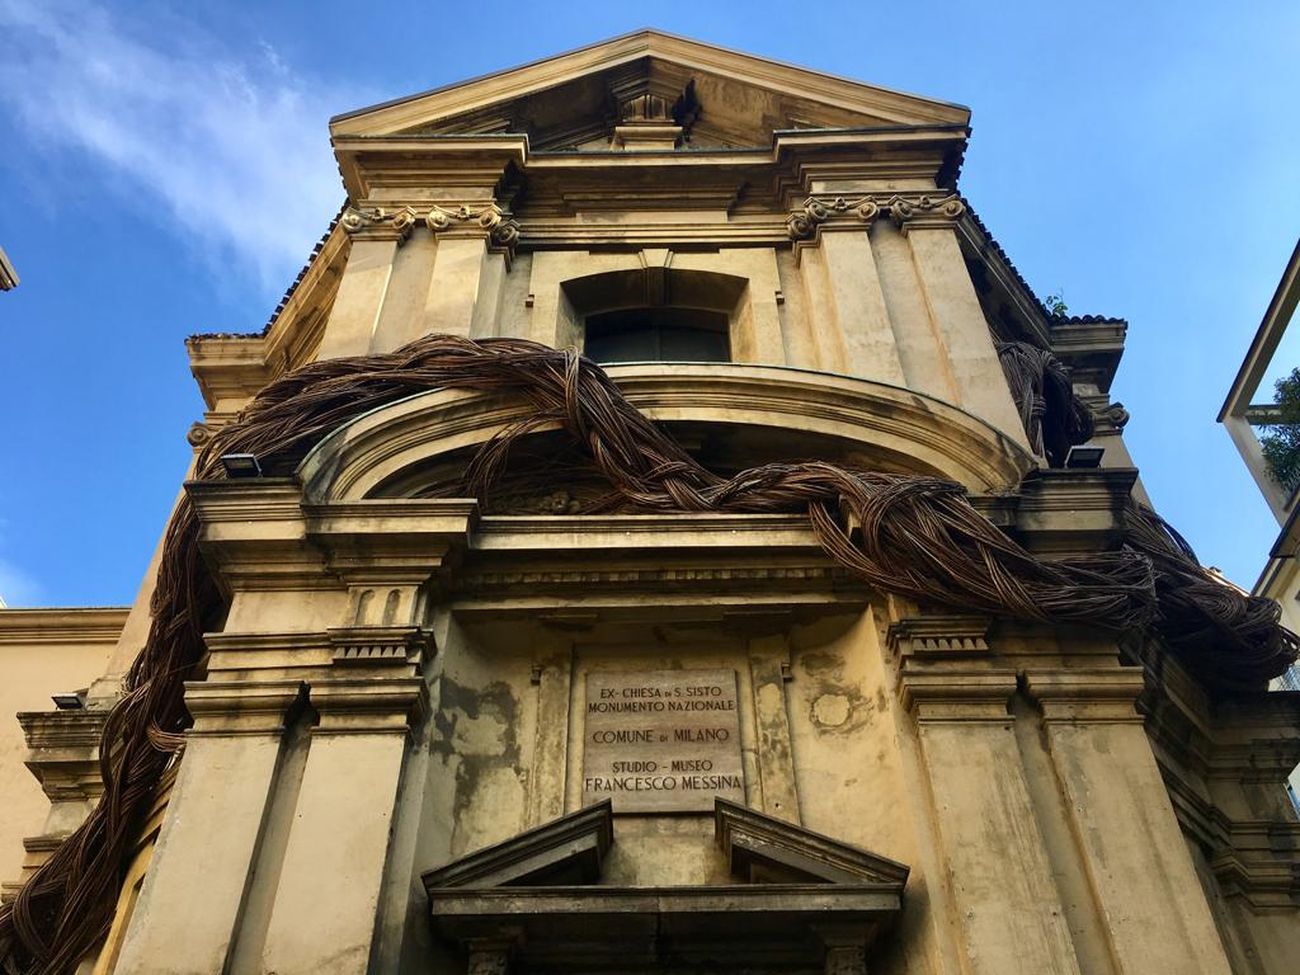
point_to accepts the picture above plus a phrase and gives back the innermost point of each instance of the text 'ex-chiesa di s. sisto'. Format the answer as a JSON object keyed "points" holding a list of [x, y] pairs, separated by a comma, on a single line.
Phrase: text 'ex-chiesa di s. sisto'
{"points": [[658, 531]]}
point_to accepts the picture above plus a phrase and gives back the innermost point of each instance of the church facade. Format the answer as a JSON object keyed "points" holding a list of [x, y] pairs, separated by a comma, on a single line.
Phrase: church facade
{"points": [[533, 729]]}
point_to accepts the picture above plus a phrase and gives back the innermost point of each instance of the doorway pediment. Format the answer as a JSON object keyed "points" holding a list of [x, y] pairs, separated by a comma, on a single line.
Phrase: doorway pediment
{"points": [[801, 902]]}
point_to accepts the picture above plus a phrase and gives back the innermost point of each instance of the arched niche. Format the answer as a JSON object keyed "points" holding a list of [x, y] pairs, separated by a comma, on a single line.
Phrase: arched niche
{"points": [[757, 413]]}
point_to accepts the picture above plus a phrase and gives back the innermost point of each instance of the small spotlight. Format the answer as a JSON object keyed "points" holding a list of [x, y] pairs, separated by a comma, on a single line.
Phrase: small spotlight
{"points": [[1081, 457], [69, 701], [241, 465]]}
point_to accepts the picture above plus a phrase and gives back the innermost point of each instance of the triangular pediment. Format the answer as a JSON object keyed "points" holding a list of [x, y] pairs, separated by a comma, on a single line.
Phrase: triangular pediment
{"points": [[720, 98], [763, 849]]}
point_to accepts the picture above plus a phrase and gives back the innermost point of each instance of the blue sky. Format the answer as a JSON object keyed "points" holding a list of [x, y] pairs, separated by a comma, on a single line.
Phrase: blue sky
{"points": [[166, 167]]}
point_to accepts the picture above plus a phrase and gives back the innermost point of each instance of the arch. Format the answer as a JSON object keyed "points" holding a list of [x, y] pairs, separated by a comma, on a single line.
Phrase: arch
{"points": [[901, 428]]}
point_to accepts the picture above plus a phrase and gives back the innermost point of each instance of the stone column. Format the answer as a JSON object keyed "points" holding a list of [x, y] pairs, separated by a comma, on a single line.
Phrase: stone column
{"points": [[335, 860], [1007, 908], [1132, 847], [959, 322], [190, 902]]}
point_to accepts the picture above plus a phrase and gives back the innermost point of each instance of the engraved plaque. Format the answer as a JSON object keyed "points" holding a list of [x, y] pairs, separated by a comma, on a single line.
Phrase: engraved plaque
{"points": [[662, 740]]}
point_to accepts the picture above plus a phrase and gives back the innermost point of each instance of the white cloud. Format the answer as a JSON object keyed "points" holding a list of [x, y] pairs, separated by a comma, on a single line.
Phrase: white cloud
{"points": [[17, 587], [232, 149]]}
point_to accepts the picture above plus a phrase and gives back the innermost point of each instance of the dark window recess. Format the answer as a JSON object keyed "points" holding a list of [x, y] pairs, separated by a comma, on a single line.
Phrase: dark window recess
{"points": [[658, 334]]}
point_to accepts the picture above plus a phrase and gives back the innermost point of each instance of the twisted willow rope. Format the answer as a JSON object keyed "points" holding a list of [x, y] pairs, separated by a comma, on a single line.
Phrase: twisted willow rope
{"points": [[1053, 417], [915, 536]]}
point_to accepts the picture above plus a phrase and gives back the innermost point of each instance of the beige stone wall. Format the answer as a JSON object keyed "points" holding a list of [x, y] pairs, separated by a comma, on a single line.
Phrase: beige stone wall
{"points": [[42, 652]]}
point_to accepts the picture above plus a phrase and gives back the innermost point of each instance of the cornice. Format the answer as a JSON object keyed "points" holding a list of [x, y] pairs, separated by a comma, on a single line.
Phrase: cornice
{"points": [[88, 624]]}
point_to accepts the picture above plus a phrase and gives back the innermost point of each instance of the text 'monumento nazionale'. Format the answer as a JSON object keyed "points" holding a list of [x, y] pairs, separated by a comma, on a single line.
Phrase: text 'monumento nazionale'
{"points": [[662, 740]]}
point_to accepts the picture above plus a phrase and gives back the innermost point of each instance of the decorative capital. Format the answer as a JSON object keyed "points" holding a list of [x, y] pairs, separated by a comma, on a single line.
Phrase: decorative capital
{"points": [[488, 956], [846, 960], [807, 221], [377, 223], [501, 228], [1112, 416], [957, 695], [925, 211]]}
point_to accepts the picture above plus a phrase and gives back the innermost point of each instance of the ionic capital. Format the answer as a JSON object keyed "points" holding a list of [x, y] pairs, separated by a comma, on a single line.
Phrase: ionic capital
{"points": [[819, 213], [924, 211], [378, 223]]}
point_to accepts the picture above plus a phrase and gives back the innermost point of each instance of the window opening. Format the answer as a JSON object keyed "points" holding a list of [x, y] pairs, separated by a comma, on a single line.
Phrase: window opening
{"points": [[658, 334]]}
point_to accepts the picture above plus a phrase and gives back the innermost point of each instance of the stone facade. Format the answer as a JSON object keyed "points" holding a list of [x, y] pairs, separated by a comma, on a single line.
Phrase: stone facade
{"points": [[394, 764]]}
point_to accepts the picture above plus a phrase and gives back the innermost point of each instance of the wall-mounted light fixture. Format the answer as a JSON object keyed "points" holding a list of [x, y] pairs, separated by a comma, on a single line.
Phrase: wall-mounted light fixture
{"points": [[241, 465], [1083, 457]]}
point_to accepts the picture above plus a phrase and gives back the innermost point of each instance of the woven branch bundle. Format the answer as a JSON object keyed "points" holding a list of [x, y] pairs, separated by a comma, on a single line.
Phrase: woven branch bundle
{"points": [[915, 536]]}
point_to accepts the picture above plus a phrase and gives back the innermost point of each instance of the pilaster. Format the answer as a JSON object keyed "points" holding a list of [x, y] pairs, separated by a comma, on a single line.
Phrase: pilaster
{"points": [[1005, 899], [929, 224], [844, 287], [1136, 861], [190, 903], [337, 852]]}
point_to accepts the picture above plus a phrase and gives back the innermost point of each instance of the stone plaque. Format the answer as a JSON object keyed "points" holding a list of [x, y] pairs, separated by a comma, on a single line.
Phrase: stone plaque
{"points": [[662, 740]]}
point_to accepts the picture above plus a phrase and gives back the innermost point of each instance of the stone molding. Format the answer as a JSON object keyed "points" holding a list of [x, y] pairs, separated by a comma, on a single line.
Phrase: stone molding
{"points": [[368, 705], [1242, 754], [379, 646], [1092, 696], [936, 637], [945, 672], [63, 752], [912, 430], [81, 625], [960, 695], [240, 708], [1068, 511], [491, 222], [910, 211], [574, 846], [756, 843]]}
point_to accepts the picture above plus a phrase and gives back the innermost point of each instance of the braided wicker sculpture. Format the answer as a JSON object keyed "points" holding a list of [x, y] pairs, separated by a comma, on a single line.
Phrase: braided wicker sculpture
{"points": [[915, 536]]}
